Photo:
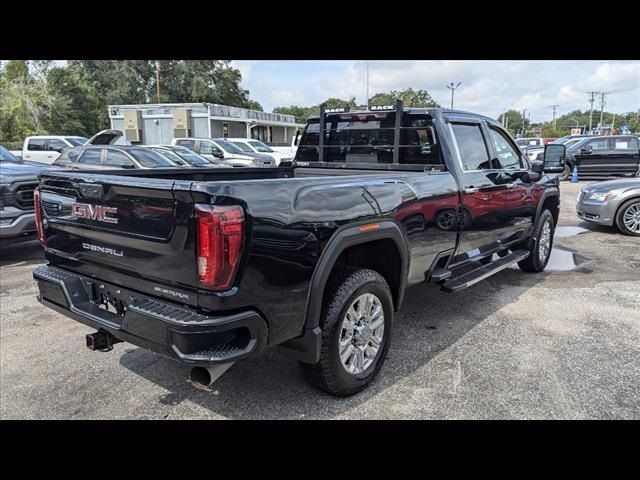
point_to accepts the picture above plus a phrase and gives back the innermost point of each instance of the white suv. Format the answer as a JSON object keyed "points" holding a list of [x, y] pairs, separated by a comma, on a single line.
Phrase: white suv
{"points": [[252, 145], [47, 148]]}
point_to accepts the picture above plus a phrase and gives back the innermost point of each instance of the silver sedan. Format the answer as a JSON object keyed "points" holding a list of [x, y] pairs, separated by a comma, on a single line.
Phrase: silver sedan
{"points": [[614, 202]]}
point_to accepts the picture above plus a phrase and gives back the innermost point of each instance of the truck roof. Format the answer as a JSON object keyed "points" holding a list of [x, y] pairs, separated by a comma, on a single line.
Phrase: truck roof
{"points": [[410, 110]]}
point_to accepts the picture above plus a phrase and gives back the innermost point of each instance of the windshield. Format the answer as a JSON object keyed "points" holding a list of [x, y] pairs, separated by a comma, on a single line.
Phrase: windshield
{"points": [[243, 146], [6, 155], [76, 141], [571, 141], [170, 155], [261, 147], [192, 158], [228, 146], [150, 159]]}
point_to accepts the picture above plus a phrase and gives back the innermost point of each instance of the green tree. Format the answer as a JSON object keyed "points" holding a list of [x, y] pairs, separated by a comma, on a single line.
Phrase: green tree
{"points": [[409, 97], [513, 121], [15, 70], [303, 113]]}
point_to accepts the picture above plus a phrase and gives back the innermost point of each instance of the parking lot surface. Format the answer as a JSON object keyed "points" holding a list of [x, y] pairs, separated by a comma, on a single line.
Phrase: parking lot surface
{"points": [[564, 343]]}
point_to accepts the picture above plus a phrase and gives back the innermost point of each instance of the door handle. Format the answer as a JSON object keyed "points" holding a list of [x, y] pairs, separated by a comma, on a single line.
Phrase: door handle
{"points": [[510, 185], [471, 190]]}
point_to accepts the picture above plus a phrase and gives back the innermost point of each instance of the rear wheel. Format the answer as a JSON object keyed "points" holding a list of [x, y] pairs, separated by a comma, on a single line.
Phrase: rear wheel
{"points": [[628, 217], [541, 244], [356, 323]]}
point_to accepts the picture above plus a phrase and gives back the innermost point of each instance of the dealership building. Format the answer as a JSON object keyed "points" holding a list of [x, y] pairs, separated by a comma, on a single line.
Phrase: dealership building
{"points": [[158, 123]]}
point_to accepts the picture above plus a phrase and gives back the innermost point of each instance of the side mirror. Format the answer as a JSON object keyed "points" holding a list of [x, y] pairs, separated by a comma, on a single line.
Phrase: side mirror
{"points": [[554, 158], [586, 150], [537, 166], [128, 165], [217, 154]]}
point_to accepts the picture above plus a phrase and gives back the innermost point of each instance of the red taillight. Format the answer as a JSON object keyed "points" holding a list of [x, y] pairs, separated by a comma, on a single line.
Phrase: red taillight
{"points": [[219, 244], [36, 203]]}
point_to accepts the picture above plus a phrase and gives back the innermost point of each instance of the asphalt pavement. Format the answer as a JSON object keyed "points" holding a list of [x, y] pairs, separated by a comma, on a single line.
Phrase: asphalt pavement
{"points": [[562, 344]]}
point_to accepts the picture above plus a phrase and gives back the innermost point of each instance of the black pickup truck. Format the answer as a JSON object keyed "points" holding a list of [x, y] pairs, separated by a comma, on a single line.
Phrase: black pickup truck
{"points": [[208, 267]]}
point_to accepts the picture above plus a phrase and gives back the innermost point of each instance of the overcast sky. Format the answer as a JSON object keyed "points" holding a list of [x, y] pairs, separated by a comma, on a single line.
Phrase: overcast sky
{"points": [[488, 87]]}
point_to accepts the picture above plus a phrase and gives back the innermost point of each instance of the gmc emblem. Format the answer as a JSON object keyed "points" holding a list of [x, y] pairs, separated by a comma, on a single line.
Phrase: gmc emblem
{"points": [[94, 212]]}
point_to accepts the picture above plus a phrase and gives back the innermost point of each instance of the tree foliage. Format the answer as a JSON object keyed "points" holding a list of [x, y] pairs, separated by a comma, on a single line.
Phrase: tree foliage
{"points": [[39, 97], [409, 97]]}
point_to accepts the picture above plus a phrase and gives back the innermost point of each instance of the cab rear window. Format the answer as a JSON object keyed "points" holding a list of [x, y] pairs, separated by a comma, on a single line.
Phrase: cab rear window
{"points": [[357, 139]]}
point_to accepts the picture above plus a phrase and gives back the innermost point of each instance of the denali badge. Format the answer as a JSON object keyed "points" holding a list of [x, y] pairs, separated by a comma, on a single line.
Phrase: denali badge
{"points": [[98, 248], [94, 212]]}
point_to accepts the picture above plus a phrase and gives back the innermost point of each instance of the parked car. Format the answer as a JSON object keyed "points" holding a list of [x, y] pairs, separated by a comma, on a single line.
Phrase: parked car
{"points": [[531, 142], [47, 148], [184, 157], [221, 149], [534, 152], [251, 145], [314, 257], [18, 179], [612, 203], [611, 155], [292, 148], [100, 153]]}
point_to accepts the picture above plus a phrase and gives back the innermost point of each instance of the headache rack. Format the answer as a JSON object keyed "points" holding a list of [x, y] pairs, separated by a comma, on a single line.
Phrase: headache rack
{"points": [[398, 109], [395, 160]]}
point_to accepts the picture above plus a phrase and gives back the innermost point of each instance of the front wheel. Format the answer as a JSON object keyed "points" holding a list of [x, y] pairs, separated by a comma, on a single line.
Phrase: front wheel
{"points": [[356, 323], [628, 217], [541, 244]]}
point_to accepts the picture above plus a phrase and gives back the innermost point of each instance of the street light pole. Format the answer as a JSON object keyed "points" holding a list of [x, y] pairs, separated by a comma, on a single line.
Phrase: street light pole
{"points": [[453, 89]]}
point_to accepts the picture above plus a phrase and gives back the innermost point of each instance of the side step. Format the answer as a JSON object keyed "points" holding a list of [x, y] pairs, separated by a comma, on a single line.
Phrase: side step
{"points": [[475, 276]]}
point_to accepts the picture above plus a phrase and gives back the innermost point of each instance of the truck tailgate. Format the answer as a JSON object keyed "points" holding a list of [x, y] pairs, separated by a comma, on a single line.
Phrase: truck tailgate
{"points": [[131, 231]]}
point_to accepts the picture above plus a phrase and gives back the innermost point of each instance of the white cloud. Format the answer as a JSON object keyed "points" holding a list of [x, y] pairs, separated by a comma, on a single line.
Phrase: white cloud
{"points": [[487, 87]]}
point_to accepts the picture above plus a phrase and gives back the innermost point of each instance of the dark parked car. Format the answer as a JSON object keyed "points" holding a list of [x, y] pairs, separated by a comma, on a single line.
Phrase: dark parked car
{"points": [[212, 266], [100, 153], [602, 156], [18, 179], [184, 157]]}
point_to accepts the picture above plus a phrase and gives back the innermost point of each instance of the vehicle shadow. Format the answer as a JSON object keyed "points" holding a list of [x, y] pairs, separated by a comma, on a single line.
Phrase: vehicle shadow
{"points": [[272, 386], [25, 250], [594, 227]]}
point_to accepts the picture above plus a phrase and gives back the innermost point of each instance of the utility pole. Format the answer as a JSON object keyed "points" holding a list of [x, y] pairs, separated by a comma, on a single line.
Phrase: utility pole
{"points": [[158, 81], [602, 97], [523, 119], [554, 115], [367, 101], [592, 94], [503, 116], [453, 89], [506, 123]]}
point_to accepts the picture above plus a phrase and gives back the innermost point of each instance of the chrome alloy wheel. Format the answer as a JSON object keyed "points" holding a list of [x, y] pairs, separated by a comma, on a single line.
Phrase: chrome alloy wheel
{"points": [[545, 241], [631, 217], [361, 333]]}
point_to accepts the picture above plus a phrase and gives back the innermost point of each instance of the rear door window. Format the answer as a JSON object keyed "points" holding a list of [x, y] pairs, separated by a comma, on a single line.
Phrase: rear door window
{"points": [[625, 144], [472, 146], [118, 159], [37, 145], [91, 156]]}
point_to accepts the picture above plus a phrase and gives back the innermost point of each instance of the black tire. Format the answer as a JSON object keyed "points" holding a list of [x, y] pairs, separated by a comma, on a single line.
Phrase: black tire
{"points": [[567, 172], [633, 203], [533, 263], [342, 290]]}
